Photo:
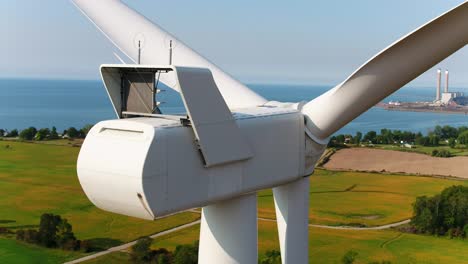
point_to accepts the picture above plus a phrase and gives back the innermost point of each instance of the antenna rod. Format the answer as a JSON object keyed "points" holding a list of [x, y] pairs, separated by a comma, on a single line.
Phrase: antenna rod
{"points": [[170, 52], [139, 51]]}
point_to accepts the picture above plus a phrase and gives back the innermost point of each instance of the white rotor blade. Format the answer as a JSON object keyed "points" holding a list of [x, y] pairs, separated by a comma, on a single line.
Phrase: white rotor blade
{"points": [[387, 72], [128, 30]]}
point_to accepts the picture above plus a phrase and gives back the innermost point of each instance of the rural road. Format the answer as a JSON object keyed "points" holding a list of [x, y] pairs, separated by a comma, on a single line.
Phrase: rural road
{"points": [[127, 245], [351, 227]]}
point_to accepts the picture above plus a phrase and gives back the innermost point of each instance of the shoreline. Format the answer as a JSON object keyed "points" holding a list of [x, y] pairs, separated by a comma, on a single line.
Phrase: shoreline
{"points": [[437, 111]]}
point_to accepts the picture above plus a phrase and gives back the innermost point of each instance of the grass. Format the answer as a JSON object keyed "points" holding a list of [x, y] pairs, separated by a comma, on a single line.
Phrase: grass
{"points": [[328, 246], [40, 178], [371, 199], [115, 257], [13, 252]]}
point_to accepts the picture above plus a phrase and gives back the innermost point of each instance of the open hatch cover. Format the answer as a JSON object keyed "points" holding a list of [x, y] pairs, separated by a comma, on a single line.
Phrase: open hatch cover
{"points": [[218, 135], [216, 132]]}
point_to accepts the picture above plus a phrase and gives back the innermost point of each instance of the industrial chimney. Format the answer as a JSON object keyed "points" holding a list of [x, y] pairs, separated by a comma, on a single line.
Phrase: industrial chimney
{"points": [[439, 77], [446, 81]]}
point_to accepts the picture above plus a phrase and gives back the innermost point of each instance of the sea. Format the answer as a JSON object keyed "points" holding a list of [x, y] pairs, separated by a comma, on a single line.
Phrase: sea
{"points": [[75, 103]]}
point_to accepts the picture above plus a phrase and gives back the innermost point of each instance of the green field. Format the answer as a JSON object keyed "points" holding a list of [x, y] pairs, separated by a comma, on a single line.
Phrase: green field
{"points": [[39, 178], [370, 199], [12, 251], [328, 246]]}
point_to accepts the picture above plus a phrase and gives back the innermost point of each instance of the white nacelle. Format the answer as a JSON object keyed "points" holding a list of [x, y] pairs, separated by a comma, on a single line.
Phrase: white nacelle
{"points": [[151, 167]]}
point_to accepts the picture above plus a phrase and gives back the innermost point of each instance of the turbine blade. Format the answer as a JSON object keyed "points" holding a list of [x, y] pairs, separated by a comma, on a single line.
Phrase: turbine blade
{"points": [[147, 43], [387, 72]]}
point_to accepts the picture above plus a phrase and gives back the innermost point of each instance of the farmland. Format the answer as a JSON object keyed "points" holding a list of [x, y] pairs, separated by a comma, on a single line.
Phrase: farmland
{"points": [[328, 246], [39, 178]]}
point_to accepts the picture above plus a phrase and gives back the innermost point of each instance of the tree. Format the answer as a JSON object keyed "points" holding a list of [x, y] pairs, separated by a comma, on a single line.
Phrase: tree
{"points": [[434, 140], [42, 134], [31, 236], [141, 252], [271, 257], [349, 257], [65, 237], [13, 133], [340, 139], [28, 133], [443, 213], [357, 139], [85, 246], [84, 131], [421, 141], [20, 235], [438, 131], [2, 132], [162, 256], [448, 132], [186, 254], [452, 142], [463, 138], [48, 230], [72, 132], [371, 136], [53, 133]]}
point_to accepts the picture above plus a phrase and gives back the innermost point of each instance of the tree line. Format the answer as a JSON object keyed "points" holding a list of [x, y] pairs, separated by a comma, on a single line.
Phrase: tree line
{"points": [[443, 214], [53, 232], [141, 252], [451, 135], [31, 133]]}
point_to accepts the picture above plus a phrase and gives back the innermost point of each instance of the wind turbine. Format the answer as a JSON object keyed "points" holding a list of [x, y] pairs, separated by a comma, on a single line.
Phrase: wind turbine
{"points": [[233, 142]]}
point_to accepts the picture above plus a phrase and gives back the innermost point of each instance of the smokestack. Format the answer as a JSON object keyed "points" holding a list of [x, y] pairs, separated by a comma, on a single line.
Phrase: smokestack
{"points": [[439, 77], [446, 81]]}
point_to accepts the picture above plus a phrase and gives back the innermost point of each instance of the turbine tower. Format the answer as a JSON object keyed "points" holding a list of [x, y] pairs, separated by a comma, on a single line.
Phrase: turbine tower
{"points": [[232, 142]]}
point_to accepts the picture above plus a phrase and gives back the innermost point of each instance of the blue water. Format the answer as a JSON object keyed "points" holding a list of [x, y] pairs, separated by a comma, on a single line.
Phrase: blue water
{"points": [[64, 103]]}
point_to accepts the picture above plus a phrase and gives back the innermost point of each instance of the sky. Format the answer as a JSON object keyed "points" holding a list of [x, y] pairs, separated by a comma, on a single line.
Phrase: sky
{"points": [[262, 41]]}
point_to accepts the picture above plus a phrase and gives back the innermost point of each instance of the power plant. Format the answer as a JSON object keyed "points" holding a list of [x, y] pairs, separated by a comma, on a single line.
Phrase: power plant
{"points": [[445, 101], [448, 98]]}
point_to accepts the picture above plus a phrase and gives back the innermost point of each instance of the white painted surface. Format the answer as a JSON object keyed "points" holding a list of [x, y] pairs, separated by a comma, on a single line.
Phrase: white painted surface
{"points": [[125, 28], [217, 133], [158, 159], [292, 214], [228, 232], [388, 71]]}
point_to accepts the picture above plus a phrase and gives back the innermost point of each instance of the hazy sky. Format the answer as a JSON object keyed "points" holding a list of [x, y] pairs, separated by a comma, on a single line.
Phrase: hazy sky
{"points": [[263, 41]]}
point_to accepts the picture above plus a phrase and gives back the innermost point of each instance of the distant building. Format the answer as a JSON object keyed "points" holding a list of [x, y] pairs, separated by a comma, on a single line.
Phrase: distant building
{"points": [[447, 98], [396, 103]]}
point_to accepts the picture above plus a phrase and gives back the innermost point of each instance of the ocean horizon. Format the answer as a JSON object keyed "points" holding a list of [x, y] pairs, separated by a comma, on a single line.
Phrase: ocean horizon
{"points": [[66, 103]]}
